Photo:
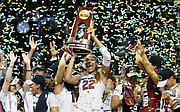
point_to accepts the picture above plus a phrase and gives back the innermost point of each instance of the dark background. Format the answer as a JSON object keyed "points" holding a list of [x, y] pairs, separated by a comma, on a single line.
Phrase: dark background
{"points": [[118, 23]]}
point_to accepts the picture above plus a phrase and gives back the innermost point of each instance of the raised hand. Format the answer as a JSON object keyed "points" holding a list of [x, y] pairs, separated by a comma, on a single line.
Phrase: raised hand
{"points": [[66, 49], [139, 48], [12, 57], [3, 62], [25, 58], [91, 30], [32, 43], [54, 52], [68, 56]]}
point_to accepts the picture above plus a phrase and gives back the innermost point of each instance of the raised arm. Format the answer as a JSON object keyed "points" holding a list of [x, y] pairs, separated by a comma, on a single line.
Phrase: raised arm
{"points": [[28, 71], [54, 52], [60, 73], [61, 69], [147, 65], [9, 73], [105, 53], [33, 46], [31, 52], [68, 75], [139, 58]]}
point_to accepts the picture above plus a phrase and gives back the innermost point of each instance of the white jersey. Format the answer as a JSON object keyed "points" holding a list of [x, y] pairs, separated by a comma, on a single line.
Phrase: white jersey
{"points": [[174, 94], [9, 101], [107, 103], [30, 101], [118, 91], [90, 94], [65, 101]]}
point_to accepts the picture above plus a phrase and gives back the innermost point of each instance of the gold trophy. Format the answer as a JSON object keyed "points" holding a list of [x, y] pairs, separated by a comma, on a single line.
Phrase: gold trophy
{"points": [[79, 39]]}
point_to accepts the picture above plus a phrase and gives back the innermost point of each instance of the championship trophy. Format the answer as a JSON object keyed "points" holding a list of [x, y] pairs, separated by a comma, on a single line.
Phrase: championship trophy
{"points": [[79, 39]]}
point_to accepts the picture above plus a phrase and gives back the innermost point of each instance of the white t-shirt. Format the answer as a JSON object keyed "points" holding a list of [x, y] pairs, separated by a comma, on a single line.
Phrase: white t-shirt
{"points": [[30, 101], [65, 101], [9, 101], [118, 91]]}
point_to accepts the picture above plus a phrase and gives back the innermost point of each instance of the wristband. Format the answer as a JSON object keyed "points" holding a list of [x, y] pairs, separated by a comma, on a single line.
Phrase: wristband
{"points": [[28, 70]]}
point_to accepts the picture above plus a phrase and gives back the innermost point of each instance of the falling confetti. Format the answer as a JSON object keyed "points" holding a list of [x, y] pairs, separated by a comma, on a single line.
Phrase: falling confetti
{"points": [[118, 23]]}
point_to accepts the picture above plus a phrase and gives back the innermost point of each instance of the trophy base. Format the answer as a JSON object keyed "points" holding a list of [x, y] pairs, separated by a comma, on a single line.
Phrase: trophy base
{"points": [[79, 48]]}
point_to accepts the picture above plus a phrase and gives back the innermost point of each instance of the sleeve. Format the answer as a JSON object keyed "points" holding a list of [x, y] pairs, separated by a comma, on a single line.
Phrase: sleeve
{"points": [[175, 103], [176, 100], [52, 100], [118, 92], [106, 56], [2, 96], [53, 59]]}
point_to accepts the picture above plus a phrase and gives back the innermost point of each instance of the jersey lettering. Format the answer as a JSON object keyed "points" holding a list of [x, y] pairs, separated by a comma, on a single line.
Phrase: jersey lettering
{"points": [[88, 84], [145, 95]]}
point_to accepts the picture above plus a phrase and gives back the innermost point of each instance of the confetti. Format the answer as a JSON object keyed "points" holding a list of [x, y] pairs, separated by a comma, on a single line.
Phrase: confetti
{"points": [[118, 23]]}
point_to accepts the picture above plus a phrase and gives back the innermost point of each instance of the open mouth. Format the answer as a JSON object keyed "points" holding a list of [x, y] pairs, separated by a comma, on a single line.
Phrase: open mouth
{"points": [[89, 66]]}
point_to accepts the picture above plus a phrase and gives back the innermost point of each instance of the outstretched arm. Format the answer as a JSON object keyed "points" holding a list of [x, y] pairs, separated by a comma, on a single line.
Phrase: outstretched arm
{"points": [[105, 53], [60, 73], [9, 71], [28, 71], [33, 46], [139, 58], [147, 65], [68, 75], [31, 52]]}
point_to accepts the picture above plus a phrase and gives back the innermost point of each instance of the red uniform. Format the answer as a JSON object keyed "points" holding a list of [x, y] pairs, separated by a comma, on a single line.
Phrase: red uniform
{"points": [[151, 96]]}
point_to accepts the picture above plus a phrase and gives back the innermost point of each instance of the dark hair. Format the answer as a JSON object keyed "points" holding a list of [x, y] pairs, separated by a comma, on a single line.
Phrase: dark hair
{"points": [[178, 78], [53, 69], [69, 87], [156, 61], [128, 68], [21, 82], [1, 83]]}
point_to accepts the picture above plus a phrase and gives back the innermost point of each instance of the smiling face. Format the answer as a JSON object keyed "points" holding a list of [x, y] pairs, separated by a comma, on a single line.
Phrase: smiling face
{"points": [[90, 63], [34, 88]]}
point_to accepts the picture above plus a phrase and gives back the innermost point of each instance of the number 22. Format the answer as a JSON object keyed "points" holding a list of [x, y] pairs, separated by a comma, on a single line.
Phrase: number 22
{"points": [[88, 84]]}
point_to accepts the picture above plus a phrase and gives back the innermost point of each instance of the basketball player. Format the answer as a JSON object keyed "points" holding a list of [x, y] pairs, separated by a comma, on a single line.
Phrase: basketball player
{"points": [[91, 85], [150, 92]]}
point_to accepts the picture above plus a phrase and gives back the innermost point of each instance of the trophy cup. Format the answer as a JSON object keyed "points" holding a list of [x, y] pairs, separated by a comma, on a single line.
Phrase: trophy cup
{"points": [[79, 39]]}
